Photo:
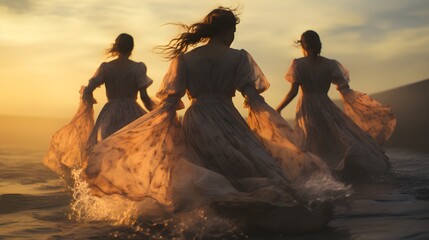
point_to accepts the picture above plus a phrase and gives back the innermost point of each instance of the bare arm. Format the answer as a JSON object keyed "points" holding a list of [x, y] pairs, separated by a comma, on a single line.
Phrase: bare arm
{"points": [[147, 102], [289, 97]]}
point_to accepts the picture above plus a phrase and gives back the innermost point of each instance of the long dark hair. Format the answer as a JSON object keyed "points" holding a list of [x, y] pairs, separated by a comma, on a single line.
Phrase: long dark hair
{"points": [[124, 43], [217, 21], [310, 42]]}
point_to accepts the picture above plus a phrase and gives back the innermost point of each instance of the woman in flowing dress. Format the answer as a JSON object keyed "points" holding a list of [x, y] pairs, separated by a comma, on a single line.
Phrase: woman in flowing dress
{"points": [[350, 142], [213, 158], [123, 79]]}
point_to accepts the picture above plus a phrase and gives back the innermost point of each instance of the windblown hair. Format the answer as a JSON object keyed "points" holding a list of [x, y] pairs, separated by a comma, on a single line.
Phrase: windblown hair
{"points": [[124, 43], [217, 21], [310, 42]]}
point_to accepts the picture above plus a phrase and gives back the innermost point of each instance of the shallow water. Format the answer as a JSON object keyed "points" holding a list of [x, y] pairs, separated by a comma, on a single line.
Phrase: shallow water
{"points": [[34, 204]]}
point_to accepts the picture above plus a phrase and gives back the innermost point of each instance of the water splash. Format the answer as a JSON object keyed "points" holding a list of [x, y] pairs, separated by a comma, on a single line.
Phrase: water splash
{"points": [[321, 187], [115, 210], [86, 207], [201, 223]]}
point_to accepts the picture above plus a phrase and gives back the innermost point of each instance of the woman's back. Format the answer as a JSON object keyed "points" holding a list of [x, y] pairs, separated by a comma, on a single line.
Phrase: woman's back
{"points": [[123, 81], [212, 74], [349, 142], [313, 75]]}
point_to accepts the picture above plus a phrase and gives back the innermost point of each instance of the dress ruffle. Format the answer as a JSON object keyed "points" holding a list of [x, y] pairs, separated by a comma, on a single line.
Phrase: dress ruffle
{"points": [[281, 142], [373, 117], [67, 149]]}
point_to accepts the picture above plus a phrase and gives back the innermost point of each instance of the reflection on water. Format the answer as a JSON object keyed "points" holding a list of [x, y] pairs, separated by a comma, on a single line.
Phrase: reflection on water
{"points": [[34, 204]]}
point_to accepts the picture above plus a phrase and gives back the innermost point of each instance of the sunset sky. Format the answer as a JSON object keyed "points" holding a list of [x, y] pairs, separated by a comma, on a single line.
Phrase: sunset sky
{"points": [[49, 48]]}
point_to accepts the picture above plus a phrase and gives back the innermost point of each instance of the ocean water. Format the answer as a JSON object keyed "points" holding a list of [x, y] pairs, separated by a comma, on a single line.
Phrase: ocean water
{"points": [[35, 204]]}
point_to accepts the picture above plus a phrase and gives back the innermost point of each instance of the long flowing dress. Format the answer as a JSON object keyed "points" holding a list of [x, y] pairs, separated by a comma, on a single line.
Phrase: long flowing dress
{"points": [[213, 157], [213, 153], [69, 145], [121, 90], [349, 141]]}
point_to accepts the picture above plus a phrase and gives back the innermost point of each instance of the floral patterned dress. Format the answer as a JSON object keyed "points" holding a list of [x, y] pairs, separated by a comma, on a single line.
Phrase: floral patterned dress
{"points": [[213, 157]]}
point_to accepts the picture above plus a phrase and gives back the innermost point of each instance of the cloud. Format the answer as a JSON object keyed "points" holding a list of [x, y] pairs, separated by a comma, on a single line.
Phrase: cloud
{"points": [[59, 43], [17, 6], [381, 18]]}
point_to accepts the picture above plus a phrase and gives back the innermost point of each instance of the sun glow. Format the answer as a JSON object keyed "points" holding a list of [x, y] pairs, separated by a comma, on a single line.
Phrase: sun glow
{"points": [[51, 48]]}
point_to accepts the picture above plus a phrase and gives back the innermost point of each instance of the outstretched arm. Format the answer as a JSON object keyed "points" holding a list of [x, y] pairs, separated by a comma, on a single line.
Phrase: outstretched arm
{"points": [[289, 97]]}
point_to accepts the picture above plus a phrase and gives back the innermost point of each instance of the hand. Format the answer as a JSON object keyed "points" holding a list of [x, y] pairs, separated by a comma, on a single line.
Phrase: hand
{"points": [[151, 104], [88, 98]]}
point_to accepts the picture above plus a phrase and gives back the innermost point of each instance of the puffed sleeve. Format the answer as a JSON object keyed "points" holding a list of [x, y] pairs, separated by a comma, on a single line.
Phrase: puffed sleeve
{"points": [[249, 75], [173, 86], [98, 78], [143, 81], [340, 76], [292, 74]]}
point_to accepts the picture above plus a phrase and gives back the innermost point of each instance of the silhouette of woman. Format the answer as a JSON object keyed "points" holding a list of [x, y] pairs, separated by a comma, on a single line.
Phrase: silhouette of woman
{"points": [[212, 157], [123, 79], [350, 141]]}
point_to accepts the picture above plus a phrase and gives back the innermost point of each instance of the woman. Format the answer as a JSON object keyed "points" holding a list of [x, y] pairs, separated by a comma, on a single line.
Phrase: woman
{"points": [[213, 157], [349, 142], [123, 79]]}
